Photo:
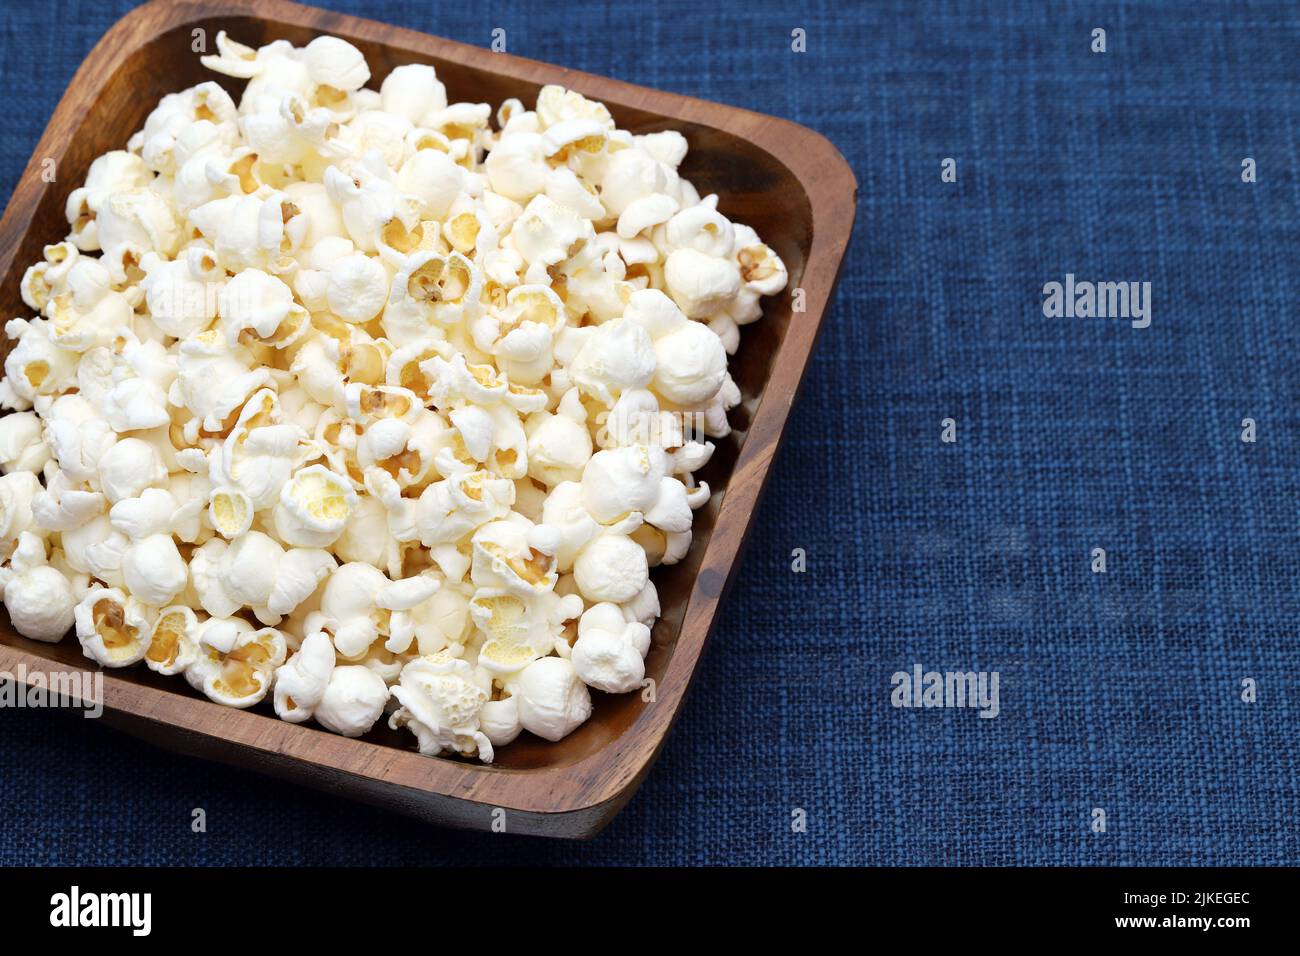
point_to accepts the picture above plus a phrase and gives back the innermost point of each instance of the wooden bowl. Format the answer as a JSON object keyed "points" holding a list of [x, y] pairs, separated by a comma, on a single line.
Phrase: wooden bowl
{"points": [[786, 181]]}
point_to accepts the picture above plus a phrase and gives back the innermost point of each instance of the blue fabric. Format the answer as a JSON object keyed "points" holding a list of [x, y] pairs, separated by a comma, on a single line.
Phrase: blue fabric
{"points": [[1119, 691]]}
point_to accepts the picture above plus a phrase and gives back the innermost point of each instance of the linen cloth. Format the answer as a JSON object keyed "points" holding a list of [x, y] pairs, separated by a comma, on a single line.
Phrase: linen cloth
{"points": [[1119, 691]]}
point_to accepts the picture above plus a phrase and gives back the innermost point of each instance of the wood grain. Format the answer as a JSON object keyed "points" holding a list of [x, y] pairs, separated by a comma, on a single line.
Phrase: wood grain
{"points": [[786, 181]]}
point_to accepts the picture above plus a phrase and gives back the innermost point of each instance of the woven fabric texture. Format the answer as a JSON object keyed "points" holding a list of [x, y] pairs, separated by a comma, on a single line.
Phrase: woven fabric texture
{"points": [[1119, 691]]}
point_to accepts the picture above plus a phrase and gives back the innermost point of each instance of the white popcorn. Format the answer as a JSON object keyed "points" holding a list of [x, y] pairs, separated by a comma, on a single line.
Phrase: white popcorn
{"points": [[761, 269], [336, 63], [214, 379], [565, 511], [35, 366], [300, 684], [518, 628], [632, 174], [128, 467], [699, 283], [358, 287], [612, 568], [358, 602], [18, 491], [406, 389], [644, 608], [181, 301], [314, 507], [517, 167], [354, 699], [62, 506], [616, 357], [440, 700], [115, 172], [430, 290], [39, 598], [136, 222], [642, 215], [413, 91], [703, 229], [559, 445], [547, 233], [690, 360], [617, 482], [148, 514], [258, 231], [136, 404], [552, 699], [515, 555], [154, 570], [610, 651], [434, 179], [21, 445], [499, 720], [442, 622], [255, 571], [230, 511], [259, 308], [370, 201]]}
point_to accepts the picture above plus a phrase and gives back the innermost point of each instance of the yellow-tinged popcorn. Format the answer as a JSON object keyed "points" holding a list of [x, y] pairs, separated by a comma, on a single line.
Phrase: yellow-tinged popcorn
{"points": [[113, 627], [235, 664], [334, 393]]}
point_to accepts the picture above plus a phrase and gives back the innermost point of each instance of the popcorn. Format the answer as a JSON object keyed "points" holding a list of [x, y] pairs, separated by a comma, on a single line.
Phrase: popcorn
{"points": [[39, 598], [335, 393], [699, 283], [358, 287], [314, 507], [257, 572], [182, 299], [335, 63], [128, 467], [18, 490], [257, 308], [213, 379], [173, 643], [618, 356], [230, 511], [353, 700], [358, 604], [35, 366], [559, 445], [612, 568], [300, 684], [552, 700], [111, 174], [154, 570], [235, 664], [114, 629], [518, 629], [618, 482], [610, 651], [440, 700], [413, 91]]}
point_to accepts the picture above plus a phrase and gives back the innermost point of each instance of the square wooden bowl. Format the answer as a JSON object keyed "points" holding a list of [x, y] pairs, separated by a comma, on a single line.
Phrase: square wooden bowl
{"points": [[786, 181]]}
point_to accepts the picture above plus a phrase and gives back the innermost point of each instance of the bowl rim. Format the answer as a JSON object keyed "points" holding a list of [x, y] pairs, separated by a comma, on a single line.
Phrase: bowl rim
{"points": [[609, 774]]}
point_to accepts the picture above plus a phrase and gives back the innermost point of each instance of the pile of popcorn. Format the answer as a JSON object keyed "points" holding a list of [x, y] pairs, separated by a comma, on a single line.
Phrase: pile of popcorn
{"points": [[348, 399]]}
